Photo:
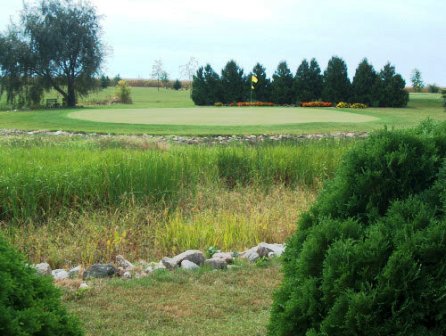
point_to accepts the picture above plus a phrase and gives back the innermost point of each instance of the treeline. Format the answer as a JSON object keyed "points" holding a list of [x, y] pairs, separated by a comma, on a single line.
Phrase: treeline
{"points": [[385, 88]]}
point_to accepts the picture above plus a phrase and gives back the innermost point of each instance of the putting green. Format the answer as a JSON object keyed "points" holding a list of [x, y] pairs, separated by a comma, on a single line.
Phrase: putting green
{"points": [[221, 116]]}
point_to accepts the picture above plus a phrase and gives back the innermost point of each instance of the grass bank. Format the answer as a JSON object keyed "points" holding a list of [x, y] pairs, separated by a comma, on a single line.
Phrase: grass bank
{"points": [[71, 200]]}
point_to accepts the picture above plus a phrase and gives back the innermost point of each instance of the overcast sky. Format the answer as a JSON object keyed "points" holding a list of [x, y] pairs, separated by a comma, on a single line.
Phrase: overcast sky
{"points": [[408, 33]]}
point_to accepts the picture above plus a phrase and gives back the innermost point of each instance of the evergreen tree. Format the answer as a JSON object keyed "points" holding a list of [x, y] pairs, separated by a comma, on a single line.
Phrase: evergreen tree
{"points": [[206, 86], [336, 82], [262, 89], [234, 83], [391, 88], [308, 81], [282, 85], [364, 83]]}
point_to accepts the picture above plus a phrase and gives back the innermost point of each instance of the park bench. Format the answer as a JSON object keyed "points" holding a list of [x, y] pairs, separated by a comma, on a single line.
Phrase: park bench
{"points": [[52, 103]]}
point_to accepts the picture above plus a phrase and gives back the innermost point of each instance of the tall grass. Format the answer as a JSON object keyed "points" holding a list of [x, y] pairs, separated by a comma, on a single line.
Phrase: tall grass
{"points": [[84, 200]]}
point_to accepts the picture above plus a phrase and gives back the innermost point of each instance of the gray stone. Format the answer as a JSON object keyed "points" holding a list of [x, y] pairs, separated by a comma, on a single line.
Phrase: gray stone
{"points": [[59, 274], [43, 268], [74, 272], [216, 263], [100, 271], [152, 267], [263, 249], [251, 254], [225, 256], [84, 286], [195, 256], [127, 275], [169, 263], [122, 262], [189, 265]]}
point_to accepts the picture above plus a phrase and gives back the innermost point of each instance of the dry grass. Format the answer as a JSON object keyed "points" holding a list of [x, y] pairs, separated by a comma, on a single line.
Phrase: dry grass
{"points": [[229, 219], [223, 303]]}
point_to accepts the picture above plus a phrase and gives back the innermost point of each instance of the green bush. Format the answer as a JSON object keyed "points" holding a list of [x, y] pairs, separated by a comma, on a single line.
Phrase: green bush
{"points": [[368, 258], [122, 92], [29, 303]]}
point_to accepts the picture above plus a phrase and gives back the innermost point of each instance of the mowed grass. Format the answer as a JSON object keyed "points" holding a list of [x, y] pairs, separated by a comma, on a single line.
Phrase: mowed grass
{"points": [[223, 303], [421, 107]]}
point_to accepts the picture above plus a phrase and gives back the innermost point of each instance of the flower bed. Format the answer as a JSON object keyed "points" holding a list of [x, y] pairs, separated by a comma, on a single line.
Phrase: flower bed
{"points": [[316, 104]]}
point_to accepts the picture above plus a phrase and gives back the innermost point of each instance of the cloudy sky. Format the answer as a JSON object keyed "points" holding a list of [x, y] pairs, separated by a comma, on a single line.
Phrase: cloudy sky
{"points": [[408, 33]]}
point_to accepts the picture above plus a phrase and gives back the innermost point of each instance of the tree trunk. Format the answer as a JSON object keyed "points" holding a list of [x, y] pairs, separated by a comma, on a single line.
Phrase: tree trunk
{"points": [[71, 95]]}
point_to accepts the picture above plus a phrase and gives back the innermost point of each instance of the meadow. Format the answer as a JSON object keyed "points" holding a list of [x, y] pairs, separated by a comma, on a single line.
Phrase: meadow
{"points": [[77, 200], [421, 106]]}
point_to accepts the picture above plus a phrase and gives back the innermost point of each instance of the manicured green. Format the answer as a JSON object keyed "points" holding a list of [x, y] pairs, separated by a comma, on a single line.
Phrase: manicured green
{"points": [[368, 258], [421, 106]]}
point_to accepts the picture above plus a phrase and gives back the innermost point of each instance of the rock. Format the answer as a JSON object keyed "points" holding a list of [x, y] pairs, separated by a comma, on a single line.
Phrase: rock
{"points": [[195, 256], [84, 286], [189, 265], [74, 272], [216, 263], [152, 267], [100, 271], [60, 274], [127, 275], [251, 254], [43, 268], [263, 249], [169, 263], [226, 256], [122, 262]]}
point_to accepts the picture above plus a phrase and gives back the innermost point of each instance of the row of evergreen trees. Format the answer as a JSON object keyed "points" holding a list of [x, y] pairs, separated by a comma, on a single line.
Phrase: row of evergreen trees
{"points": [[379, 89]]}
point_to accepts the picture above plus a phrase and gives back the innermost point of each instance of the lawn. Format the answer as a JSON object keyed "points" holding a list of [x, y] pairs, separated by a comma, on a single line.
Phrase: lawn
{"points": [[223, 303], [161, 104]]}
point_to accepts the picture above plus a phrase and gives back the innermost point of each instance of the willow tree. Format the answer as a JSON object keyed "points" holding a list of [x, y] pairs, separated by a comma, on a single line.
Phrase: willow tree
{"points": [[63, 49]]}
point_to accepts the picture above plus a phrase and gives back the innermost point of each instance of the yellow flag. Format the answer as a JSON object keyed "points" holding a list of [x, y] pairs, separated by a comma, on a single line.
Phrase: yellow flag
{"points": [[254, 79]]}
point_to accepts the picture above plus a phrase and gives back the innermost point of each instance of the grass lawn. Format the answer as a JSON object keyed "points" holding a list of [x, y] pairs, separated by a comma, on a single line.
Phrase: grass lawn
{"points": [[421, 106], [223, 303]]}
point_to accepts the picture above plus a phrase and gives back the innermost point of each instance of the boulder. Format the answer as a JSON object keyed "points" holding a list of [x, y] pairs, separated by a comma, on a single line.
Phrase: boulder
{"points": [[169, 263], [195, 256], [251, 254], [43, 268], [100, 271], [189, 265], [263, 249], [152, 267], [225, 256], [127, 275], [122, 262], [74, 272], [60, 274], [216, 263]]}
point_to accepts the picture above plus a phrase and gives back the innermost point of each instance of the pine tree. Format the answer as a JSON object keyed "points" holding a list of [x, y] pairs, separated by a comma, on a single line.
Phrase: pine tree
{"points": [[206, 87], [234, 83], [308, 81], [199, 89], [262, 89], [337, 85], [282, 85], [364, 83], [391, 89]]}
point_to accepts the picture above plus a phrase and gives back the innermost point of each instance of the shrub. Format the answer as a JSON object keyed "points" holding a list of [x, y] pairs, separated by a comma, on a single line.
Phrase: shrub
{"points": [[219, 104], [316, 104], [359, 106], [369, 255], [122, 93], [177, 85], [343, 105], [433, 88], [29, 303]]}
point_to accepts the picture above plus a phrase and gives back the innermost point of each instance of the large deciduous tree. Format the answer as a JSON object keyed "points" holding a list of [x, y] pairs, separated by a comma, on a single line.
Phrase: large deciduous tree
{"points": [[57, 45]]}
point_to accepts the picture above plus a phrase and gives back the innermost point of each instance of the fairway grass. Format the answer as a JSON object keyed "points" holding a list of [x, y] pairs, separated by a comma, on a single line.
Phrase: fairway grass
{"points": [[229, 116], [155, 116]]}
